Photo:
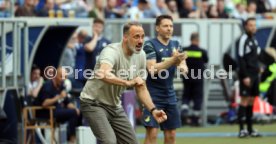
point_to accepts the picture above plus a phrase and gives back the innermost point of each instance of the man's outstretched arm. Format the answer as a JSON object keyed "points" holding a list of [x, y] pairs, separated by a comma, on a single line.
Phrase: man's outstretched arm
{"points": [[144, 96]]}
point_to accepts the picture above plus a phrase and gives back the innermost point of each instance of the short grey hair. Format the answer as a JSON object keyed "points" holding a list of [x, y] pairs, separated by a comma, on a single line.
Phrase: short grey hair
{"points": [[128, 25]]}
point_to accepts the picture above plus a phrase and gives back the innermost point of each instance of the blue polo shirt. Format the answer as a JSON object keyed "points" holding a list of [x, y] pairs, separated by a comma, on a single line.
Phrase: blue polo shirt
{"points": [[160, 88], [91, 57], [48, 90]]}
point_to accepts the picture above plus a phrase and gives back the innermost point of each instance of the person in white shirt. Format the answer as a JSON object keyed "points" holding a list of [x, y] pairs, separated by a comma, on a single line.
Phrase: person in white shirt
{"points": [[36, 82], [136, 13]]}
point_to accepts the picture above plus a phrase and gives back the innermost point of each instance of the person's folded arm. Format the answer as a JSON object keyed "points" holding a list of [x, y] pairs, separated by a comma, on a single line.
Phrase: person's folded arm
{"points": [[105, 74]]}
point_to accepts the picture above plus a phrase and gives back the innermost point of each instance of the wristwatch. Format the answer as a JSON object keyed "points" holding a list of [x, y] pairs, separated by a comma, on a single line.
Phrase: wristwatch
{"points": [[154, 108]]}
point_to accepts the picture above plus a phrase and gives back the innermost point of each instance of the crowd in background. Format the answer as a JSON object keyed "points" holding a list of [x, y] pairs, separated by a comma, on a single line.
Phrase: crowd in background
{"points": [[140, 9]]}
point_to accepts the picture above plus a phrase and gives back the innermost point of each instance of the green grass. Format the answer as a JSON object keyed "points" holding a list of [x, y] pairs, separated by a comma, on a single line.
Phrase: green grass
{"points": [[227, 140], [218, 140]]}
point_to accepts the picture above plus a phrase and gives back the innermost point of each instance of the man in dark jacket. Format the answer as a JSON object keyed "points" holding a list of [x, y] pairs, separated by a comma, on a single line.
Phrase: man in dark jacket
{"points": [[248, 58], [193, 90]]}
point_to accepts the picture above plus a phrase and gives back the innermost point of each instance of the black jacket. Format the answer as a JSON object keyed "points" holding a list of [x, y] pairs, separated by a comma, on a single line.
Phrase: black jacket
{"points": [[197, 57], [248, 59]]}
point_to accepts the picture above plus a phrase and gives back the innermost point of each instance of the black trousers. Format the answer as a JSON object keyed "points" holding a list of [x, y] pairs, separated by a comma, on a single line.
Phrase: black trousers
{"points": [[193, 91]]}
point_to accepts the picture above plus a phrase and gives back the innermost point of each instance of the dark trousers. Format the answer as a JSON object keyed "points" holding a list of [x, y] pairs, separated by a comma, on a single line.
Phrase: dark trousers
{"points": [[193, 90], [110, 125], [63, 115]]}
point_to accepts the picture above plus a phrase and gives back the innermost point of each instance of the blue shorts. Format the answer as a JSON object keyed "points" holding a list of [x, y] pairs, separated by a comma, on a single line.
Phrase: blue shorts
{"points": [[172, 122]]}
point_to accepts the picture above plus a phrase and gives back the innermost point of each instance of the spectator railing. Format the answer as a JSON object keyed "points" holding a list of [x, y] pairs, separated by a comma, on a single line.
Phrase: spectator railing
{"points": [[11, 57], [11, 52]]}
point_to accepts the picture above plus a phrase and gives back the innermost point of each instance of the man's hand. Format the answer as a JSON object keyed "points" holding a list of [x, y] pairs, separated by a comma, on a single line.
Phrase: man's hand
{"points": [[138, 81], [185, 55], [78, 111], [63, 94], [261, 70], [183, 67], [246, 81], [159, 115], [95, 35], [179, 57], [41, 80]]}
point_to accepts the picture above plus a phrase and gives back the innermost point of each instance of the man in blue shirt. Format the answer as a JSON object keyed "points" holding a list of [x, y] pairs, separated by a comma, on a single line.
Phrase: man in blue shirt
{"points": [[161, 65], [53, 93], [94, 45]]}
